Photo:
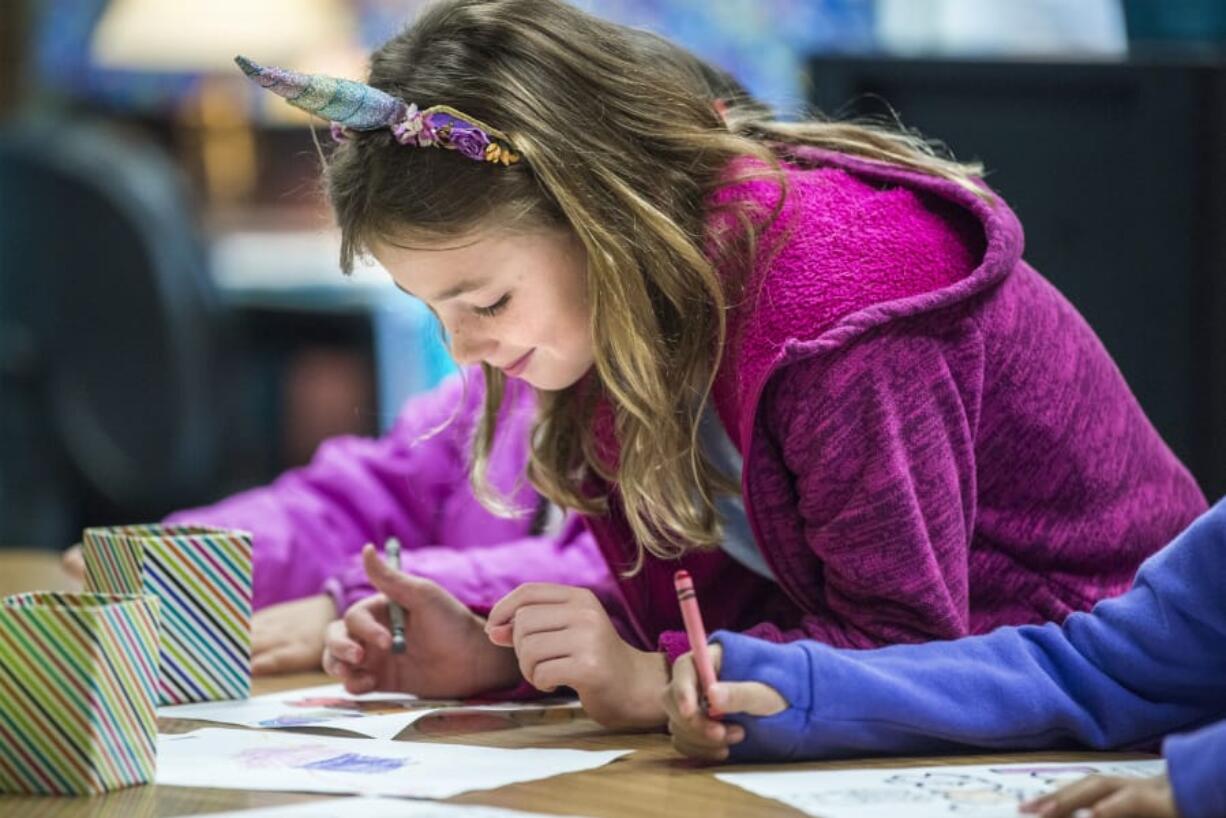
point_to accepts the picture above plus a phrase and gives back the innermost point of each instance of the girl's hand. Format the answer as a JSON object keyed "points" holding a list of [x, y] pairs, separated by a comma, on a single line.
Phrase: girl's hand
{"points": [[289, 638], [447, 653], [562, 636], [1099, 796], [699, 736]]}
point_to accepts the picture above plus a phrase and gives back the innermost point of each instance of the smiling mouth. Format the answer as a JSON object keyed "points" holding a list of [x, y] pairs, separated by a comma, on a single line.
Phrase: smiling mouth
{"points": [[519, 365]]}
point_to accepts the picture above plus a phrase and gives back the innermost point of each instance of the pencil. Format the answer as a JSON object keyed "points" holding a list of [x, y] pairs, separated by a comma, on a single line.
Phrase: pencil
{"points": [[392, 550]]}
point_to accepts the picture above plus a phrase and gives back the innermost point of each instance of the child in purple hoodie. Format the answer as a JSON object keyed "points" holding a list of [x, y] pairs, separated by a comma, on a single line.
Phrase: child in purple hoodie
{"points": [[412, 483], [805, 361], [309, 525], [1145, 665]]}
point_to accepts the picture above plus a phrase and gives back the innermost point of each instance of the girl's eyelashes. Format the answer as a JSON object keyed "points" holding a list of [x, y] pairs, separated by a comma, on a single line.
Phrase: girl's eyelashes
{"points": [[493, 309]]}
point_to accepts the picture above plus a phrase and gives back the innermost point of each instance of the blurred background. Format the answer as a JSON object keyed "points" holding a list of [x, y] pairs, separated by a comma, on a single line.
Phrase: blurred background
{"points": [[174, 326]]}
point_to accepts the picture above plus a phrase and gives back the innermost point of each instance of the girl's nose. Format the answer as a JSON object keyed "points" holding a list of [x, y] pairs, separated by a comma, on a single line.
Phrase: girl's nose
{"points": [[468, 348]]}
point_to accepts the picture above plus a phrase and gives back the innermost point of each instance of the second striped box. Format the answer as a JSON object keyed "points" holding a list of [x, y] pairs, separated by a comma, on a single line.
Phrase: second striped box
{"points": [[203, 578]]}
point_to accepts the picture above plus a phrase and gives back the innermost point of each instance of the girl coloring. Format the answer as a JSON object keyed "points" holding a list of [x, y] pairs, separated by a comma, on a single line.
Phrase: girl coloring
{"points": [[803, 360]]}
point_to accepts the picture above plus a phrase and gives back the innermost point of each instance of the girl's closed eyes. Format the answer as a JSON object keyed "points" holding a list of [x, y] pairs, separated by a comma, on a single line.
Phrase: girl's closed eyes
{"points": [[493, 309]]}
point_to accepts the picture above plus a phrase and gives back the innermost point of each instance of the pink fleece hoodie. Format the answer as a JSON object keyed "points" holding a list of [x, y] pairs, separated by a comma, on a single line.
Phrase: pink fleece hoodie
{"points": [[934, 441]]}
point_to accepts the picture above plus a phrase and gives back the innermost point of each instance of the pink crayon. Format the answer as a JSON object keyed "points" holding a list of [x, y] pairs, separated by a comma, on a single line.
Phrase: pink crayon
{"points": [[697, 634]]}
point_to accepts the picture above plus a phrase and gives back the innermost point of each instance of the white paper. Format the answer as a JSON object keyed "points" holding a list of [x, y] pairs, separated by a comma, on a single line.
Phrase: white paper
{"points": [[270, 760], [988, 791], [377, 715], [379, 808]]}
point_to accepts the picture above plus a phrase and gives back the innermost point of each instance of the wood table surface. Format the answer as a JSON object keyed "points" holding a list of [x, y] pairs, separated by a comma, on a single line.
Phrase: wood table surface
{"points": [[652, 782]]}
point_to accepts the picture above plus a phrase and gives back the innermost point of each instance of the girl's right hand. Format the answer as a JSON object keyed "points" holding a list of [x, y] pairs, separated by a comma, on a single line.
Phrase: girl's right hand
{"points": [[447, 653], [694, 733]]}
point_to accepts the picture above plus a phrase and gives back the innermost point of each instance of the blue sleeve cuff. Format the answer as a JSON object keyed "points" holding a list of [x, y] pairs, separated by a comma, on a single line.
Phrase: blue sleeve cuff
{"points": [[785, 668], [1196, 766]]}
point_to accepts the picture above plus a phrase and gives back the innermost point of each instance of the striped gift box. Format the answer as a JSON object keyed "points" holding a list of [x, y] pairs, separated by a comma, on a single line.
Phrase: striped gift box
{"points": [[78, 688], [203, 577]]}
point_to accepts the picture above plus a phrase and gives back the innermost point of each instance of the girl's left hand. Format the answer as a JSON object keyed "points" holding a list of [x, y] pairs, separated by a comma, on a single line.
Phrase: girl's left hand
{"points": [[1099, 796], [563, 636], [289, 637]]}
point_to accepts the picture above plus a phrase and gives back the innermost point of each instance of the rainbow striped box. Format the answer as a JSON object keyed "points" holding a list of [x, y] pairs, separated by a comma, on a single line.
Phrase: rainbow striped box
{"points": [[203, 578], [78, 689]]}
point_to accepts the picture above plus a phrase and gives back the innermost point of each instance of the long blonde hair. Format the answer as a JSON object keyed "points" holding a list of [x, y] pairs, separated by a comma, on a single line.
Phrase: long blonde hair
{"points": [[621, 144]]}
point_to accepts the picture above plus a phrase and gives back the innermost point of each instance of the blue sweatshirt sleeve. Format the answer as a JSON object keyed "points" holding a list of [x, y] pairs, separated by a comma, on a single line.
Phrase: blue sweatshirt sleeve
{"points": [[1196, 764], [1134, 669]]}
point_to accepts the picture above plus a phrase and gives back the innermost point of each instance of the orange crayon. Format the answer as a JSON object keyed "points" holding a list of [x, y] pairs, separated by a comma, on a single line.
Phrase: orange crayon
{"points": [[697, 634]]}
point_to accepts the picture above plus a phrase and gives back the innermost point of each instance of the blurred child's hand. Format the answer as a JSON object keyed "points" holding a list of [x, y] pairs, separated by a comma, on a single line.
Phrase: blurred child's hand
{"points": [[289, 638], [562, 636], [73, 562], [447, 653], [694, 733], [1099, 796]]}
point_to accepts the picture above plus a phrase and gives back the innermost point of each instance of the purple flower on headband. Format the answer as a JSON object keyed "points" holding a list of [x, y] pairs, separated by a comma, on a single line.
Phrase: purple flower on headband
{"points": [[408, 128], [427, 136], [470, 141]]}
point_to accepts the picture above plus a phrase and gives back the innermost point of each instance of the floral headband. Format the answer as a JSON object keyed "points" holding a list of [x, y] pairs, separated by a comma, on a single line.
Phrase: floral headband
{"points": [[355, 106]]}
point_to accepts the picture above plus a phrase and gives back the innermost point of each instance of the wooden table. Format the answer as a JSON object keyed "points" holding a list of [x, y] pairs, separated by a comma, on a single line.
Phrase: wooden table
{"points": [[653, 782], [30, 570]]}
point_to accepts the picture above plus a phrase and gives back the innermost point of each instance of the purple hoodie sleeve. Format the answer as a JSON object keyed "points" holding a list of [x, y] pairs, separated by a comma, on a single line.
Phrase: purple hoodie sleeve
{"points": [[879, 441], [311, 521]]}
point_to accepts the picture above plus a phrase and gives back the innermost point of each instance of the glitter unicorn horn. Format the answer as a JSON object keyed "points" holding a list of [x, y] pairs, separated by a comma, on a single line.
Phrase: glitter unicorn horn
{"points": [[347, 103], [355, 106]]}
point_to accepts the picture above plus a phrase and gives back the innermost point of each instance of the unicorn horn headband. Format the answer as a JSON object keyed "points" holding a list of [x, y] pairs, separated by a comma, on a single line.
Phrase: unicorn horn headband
{"points": [[355, 106]]}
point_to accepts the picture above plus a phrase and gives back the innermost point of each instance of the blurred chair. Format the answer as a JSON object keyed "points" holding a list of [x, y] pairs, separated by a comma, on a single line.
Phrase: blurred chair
{"points": [[109, 335]]}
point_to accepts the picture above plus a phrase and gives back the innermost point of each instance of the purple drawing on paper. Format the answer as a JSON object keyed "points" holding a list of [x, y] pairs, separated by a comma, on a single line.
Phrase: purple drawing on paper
{"points": [[356, 763]]}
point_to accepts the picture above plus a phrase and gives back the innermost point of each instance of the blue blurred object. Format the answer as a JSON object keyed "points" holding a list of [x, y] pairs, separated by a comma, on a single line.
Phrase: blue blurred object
{"points": [[410, 355], [1022, 29], [1176, 21], [763, 43], [62, 63]]}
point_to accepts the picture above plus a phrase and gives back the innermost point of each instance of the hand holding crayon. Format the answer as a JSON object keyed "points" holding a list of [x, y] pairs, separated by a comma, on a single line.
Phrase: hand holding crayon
{"points": [[697, 633]]}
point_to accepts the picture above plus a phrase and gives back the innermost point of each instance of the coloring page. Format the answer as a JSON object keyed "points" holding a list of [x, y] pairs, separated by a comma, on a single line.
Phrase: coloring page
{"points": [[377, 715], [991, 791], [269, 760]]}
